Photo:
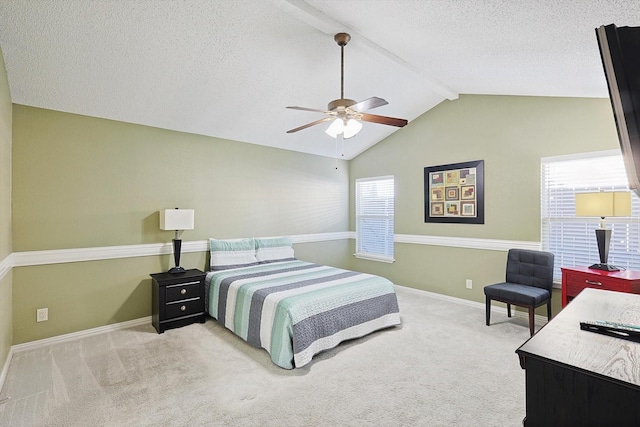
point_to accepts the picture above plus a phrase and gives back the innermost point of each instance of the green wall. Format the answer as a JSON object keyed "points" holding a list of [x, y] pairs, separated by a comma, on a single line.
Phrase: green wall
{"points": [[81, 182], [6, 322], [511, 134]]}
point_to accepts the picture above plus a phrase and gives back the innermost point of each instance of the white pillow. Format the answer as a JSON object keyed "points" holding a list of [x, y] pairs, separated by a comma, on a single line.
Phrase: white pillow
{"points": [[274, 249], [232, 253]]}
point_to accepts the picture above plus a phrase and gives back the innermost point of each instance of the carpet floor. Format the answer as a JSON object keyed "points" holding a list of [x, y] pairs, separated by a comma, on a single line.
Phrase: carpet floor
{"points": [[442, 367]]}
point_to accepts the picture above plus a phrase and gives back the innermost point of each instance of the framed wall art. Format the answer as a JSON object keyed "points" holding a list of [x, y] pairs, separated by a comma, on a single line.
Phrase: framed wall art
{"points": [[454, 193]]}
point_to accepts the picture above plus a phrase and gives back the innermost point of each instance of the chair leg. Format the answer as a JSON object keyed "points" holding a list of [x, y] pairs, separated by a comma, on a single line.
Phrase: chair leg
{"points": [[508, 310], [488, 309], [532, 320], [549, 310]]}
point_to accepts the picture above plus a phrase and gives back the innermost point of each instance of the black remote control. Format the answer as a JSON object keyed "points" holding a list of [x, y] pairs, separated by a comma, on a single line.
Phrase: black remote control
{"points": [[613, 329]]}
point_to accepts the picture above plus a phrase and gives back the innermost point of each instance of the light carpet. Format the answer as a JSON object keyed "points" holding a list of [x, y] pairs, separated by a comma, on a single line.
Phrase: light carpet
{"points": [[442, 367]]}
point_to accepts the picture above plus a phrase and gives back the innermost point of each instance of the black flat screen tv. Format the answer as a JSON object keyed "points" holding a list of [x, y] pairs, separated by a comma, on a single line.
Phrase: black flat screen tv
{"points": [[620, 53]]}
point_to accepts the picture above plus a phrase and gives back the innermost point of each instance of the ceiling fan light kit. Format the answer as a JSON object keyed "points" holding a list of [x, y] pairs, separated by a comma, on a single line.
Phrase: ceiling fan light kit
{"points": [[348, 129], [346, 114]]}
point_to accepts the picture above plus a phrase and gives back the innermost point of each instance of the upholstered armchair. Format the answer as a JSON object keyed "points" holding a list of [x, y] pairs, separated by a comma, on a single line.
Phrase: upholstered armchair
{"points": [[529, 281]]}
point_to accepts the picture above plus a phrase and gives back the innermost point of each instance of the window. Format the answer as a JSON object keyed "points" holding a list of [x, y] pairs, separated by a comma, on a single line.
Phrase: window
{"points": [[374, 218], [572, 239]]}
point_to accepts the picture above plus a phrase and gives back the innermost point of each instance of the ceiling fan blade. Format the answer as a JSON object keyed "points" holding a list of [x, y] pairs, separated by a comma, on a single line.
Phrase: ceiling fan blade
{"points": [[317, 122], [384, 120], [368, 104], [348, 109], [308, 109]]}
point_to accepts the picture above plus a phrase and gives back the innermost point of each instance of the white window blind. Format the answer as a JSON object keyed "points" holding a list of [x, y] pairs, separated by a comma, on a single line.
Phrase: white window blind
{"points": [[374, 218], [572, 239]]}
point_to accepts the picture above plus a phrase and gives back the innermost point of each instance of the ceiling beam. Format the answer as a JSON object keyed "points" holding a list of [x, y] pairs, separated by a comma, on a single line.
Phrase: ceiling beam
{"points": [[330, 26]]}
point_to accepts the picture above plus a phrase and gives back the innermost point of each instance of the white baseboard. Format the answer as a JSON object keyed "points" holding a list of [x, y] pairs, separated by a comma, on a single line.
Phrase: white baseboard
{"points": [[147, 320], [67, 337], [5, 368], [80, 334], [479, 305]]}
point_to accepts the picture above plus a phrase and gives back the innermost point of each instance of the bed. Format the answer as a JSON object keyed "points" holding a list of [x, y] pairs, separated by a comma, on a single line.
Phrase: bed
{"points": [[293, 309]]}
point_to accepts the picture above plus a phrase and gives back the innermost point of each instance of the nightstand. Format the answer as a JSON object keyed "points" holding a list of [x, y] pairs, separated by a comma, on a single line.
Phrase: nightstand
{"points": [[178, 299], [575, 279]]}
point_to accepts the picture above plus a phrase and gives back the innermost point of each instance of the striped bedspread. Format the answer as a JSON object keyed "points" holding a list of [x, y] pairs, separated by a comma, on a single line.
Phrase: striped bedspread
{"points": [[295, 309]]}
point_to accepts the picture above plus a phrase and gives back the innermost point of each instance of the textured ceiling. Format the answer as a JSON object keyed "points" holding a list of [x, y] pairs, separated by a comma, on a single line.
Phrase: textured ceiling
{"points": [[228, 68]]}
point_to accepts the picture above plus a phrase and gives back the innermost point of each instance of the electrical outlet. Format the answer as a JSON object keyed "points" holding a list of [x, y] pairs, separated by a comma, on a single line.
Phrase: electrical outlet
{"points": [[42, 314], [469, 284]]}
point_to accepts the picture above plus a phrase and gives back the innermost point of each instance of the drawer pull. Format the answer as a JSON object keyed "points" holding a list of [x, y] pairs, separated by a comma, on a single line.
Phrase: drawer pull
{"points": [[183, 284], [591, 282], [183, 291], [183, 308], [182, 301]]}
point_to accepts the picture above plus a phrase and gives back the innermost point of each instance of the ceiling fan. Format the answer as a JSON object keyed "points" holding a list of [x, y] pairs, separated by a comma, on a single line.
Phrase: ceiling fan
{"points": [[347, 113]]}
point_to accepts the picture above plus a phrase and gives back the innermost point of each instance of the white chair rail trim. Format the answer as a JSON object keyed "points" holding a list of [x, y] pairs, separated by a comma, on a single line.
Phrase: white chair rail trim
{"points": [[59, 256], [5, 266], [466, 242]]}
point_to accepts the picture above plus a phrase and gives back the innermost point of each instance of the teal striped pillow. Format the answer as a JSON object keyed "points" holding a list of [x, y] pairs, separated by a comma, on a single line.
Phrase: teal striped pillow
{"points": [[232, 253], [274, 249]]}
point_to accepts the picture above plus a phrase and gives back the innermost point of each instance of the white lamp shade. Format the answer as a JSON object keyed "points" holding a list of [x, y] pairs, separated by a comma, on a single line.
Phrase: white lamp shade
{"points": [[614, 203], [176, 219]]}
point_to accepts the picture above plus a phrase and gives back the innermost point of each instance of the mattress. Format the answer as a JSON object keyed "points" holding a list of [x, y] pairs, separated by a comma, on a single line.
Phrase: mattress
{"points": [[296, 309]]}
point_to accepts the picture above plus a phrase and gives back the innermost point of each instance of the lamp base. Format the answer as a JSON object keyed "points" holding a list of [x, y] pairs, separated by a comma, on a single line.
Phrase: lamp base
{"points": [[175, 270], [604, 267]]}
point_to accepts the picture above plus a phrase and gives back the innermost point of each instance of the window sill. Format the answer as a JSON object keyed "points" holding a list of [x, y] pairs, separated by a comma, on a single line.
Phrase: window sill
{"points": [[378, 258]]}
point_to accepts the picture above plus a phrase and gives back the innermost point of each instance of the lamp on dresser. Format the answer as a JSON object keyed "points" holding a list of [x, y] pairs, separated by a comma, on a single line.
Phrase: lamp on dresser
{"points": [[603, 204], [177, 220]]}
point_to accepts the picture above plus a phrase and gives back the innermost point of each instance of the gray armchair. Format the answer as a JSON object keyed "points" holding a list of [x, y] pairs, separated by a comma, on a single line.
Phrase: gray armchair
{"points": [[529, 281]]}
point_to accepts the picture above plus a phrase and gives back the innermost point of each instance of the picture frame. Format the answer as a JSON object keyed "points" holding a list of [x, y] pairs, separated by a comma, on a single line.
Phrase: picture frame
{"points": [[454, 193]]}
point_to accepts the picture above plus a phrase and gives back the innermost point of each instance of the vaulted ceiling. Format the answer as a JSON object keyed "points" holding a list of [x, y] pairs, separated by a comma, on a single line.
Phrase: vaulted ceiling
{"points": [[228, 68]]}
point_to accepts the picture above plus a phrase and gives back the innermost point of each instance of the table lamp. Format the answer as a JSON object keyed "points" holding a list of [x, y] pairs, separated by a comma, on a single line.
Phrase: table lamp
{"points": [[603, 204], [177, 220]]}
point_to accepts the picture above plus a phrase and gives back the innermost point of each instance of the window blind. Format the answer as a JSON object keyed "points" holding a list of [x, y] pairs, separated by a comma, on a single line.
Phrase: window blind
{"points": [[375, 218], [572, 239]]}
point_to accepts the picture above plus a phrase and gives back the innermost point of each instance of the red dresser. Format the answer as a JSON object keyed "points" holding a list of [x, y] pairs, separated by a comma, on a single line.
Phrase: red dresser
{"points": [[575, 279]]}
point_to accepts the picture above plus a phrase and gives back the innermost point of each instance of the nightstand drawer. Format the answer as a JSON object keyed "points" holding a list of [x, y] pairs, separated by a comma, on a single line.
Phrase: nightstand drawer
{"points": [[183, 291], [184, 307]]}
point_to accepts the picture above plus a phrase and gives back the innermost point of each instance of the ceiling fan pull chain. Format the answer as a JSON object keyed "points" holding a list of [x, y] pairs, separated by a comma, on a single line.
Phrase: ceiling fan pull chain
{"points": [[339, 148]]}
